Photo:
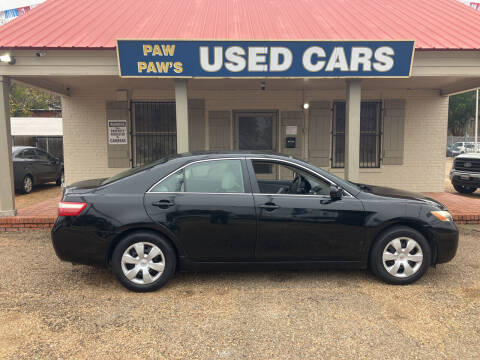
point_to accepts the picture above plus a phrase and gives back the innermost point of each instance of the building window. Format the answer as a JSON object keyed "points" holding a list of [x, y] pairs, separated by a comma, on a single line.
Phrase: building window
{"points": [[154, 131], [370, 131]]}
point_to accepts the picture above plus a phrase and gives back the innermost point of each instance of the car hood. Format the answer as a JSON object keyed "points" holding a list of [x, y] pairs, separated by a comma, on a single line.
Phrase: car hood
{"points": [[398, 194], [468, 156]]}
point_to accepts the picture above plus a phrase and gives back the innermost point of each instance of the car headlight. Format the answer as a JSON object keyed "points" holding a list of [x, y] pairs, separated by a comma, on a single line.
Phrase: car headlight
{"points": [[442, 215]]}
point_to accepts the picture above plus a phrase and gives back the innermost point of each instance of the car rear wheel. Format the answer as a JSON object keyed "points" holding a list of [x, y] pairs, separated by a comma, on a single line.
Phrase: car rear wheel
{"points": [[462, 189], [401, 255], [27, 184], [61, 179], [143, 261]]}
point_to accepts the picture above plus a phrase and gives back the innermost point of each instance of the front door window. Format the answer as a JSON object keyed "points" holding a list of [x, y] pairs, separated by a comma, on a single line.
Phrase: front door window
{"points": [[284, 179]]}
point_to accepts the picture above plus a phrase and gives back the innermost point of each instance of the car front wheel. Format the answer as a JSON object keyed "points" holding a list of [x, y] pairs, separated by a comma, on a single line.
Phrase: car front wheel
{"points": [[462, 189], [401, 255], [143, 261], [27, 184]]}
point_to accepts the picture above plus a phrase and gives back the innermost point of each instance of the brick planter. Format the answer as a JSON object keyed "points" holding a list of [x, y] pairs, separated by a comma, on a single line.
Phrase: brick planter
{"points": [[15, 223]]}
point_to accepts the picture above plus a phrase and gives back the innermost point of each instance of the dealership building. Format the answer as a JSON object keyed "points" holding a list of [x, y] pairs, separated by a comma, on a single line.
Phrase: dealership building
{"points": [[359, 88]]}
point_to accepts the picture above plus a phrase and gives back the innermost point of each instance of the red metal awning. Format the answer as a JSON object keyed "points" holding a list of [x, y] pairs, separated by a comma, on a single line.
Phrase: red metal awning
{"points": [[94, 24]]}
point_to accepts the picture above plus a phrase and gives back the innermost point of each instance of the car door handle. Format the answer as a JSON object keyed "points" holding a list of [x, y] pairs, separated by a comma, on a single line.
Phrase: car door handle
{"points": [[163, 204], [269, 206]]}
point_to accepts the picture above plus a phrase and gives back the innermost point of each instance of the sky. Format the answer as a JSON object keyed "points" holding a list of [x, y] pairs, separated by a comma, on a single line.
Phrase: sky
{"points": [[13, 4]]}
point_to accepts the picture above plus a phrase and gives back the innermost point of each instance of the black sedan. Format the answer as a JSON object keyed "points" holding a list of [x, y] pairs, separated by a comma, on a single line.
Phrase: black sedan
{"points": [[246, 210], [33, 166]]}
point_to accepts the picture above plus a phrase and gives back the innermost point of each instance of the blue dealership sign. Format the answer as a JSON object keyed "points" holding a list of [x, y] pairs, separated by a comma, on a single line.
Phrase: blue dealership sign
{"points": [[264, 59]]}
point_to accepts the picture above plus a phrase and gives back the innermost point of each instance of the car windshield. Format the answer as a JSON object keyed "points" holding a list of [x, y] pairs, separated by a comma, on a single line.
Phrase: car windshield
{"points": [[133, 171]]}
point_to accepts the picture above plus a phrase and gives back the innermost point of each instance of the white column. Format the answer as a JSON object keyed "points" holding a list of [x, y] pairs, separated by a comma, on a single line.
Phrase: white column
{"points": [[7, 193], [352, 130], [181, 104], [476, 123]]}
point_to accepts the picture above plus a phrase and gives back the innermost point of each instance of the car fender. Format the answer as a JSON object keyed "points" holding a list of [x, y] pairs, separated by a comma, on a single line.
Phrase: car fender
{"points": [[157, 228]]}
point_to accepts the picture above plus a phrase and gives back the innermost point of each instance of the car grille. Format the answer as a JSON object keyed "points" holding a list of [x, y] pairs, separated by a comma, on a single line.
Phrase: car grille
{"points": [[472, 165]]}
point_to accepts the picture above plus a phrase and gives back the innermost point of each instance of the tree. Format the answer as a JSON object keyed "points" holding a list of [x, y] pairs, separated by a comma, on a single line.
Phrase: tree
{"points": [[461, 108], [25, 99]]}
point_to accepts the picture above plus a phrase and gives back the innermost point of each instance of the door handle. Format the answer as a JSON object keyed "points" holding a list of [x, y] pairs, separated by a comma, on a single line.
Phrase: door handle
{"points": [[163, 204], [269, 206]]}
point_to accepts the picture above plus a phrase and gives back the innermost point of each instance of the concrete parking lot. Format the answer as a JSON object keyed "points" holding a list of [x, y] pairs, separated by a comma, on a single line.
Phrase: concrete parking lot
{"points": [[51, 309]]}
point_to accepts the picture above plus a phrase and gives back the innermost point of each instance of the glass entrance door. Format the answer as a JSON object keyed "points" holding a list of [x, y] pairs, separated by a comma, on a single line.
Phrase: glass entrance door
{"points": [[256, 131]]}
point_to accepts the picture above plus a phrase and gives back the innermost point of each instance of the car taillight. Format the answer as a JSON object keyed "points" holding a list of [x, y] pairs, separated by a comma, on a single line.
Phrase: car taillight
{"points": [[70, 208]]}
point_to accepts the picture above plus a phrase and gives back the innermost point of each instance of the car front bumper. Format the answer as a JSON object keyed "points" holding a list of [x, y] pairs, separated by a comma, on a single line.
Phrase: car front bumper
{"points": [[445, 236], [465, 178]]}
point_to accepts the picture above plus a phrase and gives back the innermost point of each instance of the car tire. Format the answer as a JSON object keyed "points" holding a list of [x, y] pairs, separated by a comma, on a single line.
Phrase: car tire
{"points": [[137, 268], [393, 262], [27, 184], [462, 189], [61, 179]]}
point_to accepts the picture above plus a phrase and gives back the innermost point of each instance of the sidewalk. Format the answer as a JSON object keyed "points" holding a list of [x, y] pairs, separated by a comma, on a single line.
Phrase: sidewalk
{"points": [[465, 209]]}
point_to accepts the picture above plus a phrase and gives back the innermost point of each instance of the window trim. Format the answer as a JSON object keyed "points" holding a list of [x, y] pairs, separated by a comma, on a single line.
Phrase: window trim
{"points": [[246, 180], [247, 169]]}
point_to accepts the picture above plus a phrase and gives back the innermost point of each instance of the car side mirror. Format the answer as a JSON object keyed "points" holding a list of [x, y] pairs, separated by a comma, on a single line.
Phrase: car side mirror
{"points": [[335, 192]]}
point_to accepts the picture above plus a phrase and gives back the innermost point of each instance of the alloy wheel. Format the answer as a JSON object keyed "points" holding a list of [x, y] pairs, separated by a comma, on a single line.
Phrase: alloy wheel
{"points": [[143, 263], [27, 184], [402, 257]]}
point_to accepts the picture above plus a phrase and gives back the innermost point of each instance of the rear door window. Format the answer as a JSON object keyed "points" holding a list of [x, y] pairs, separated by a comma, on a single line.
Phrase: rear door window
{"points": [[30, 154], [214, 176], [42, 155], [173, 183], [219, 176]]}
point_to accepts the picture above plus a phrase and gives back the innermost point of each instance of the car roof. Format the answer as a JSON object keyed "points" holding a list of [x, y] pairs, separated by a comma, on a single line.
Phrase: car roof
{"points": [[18, 148], [215, 154]]}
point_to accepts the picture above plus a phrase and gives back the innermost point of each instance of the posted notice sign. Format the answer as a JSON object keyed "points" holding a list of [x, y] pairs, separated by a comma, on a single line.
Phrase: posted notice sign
{"points": [[264, 59], [117, 132]]}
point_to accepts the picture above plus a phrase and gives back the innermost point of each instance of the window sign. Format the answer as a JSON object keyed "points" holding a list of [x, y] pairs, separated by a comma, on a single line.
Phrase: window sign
{"points": [[264, 59], [117, 132], [291, 130]]}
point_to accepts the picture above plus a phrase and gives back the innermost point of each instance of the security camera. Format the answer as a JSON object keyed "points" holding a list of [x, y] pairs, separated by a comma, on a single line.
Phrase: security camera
{"points": [[262, 86], [41, 53]]}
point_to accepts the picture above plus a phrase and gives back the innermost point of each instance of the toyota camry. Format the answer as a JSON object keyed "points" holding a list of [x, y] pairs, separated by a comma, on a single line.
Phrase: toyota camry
{"points": [[235, 210]]}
